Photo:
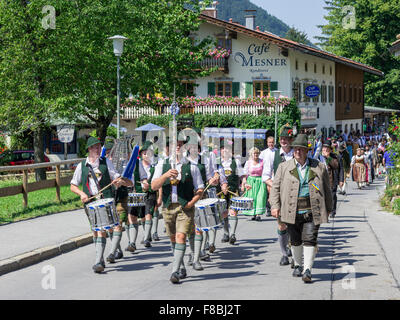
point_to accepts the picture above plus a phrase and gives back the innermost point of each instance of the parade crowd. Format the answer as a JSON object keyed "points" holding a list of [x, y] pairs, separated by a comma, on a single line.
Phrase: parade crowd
{"points": [[296, 180]]}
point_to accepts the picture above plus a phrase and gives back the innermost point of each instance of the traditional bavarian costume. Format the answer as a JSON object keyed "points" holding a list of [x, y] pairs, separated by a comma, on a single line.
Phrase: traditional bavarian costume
{"points": [[230, 171], [94, 177], [175, 197], [271, 164], [359, 170], [258, 191]]}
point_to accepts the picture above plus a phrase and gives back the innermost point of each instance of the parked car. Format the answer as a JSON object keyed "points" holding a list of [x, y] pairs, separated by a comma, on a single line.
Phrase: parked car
{"points": [[23, 157]]}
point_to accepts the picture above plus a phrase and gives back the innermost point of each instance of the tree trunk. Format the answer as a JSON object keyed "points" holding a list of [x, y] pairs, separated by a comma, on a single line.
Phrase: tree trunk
{"points": [[101, 131], [38, 145]]}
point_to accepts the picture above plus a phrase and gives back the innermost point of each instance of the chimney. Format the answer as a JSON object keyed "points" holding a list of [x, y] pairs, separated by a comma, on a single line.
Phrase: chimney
{"points": [[250, 18], [210, 11]]}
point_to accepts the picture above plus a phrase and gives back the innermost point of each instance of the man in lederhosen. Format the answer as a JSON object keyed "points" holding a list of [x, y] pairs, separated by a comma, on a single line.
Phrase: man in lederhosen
{"points": [[181, 187], [143, 176], [93, 174], [231, 172], [271, 163], [301, 196], [209, 172]]}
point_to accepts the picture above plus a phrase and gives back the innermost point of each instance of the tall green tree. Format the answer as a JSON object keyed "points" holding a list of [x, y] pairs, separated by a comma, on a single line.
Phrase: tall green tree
{"points": [[297, 35], [364, 34], [68, 70]]}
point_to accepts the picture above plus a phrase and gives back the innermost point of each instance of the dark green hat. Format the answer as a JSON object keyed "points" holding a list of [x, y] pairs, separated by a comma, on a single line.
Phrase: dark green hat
{"points": [[286, 131], [146, 146], [301, 141], [91, 142], [108, 145]]}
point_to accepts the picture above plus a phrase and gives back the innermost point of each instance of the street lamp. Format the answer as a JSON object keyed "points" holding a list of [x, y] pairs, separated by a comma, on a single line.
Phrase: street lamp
{"points": [[276, 95], [118, 44]]}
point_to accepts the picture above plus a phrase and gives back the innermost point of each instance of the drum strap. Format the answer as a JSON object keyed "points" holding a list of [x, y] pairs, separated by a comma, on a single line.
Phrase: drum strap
{"points": [[93, 175]]}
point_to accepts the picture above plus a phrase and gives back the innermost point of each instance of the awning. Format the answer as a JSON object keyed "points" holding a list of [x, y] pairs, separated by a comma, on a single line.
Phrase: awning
{"points": [[150, 127], [234, 133], [309, 126], [370, 109]]}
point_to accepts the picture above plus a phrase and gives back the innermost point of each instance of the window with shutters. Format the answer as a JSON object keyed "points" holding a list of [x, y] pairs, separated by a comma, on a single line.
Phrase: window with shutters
{"points": [[344, 93], [297, 65], [315, 68], [224, 43], [224, 89], [360, 95], [339, 93], [350, 93], [323, 69], [355, 95], [315, 100], [261, 88], [297, 90], [331, 94], [323, 94], [306, 67], [306, 98], [188, 88]]}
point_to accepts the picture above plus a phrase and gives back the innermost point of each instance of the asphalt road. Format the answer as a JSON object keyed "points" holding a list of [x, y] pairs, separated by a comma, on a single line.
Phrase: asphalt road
{"points": [[358, 259]]}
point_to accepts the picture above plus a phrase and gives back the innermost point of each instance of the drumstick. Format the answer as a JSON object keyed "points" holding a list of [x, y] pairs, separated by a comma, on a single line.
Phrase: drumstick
{"points": [[101, 191]]}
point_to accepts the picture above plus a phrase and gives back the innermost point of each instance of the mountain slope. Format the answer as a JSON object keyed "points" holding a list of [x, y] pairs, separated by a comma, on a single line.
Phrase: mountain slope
{"points": [[235, 9]]}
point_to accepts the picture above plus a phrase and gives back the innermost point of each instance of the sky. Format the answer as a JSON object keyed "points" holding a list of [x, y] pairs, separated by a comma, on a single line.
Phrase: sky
{"points": [[303, 15]]}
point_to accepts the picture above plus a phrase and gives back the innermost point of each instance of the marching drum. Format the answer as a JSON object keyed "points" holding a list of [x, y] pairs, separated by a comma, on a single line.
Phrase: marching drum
{"points": [[207, 215], [136, 199], [102, 214], [212, 192], [241, 203], [221, 206]]}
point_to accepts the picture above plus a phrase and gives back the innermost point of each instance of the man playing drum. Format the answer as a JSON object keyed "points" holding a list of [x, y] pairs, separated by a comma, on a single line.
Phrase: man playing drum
{"points": [[182, 187], [93, 174], [231, 172]]}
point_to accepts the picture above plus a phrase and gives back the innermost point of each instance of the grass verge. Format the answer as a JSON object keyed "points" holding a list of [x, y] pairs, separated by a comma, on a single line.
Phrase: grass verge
{"points": [[40, 203]]}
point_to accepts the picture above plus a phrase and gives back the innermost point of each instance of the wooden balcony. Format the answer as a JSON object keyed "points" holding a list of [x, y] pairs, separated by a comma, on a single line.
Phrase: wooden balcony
{"points": [[129, 113], [221, 63]]}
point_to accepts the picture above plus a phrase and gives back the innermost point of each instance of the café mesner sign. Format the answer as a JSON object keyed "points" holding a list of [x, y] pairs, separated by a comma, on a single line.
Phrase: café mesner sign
{"points": [[252, 57]]}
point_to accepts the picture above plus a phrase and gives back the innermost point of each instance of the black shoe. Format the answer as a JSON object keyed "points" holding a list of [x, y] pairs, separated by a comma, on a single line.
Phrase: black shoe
{"points": [[147, 244], [289, 252], [307, 276], [182, 273], [297, 271], [155, 236], [131, 248], [254, 218], [232, 239], [118, 255], [174, 277], [97, 268], [212, 248], [190, 262], [111, 258], [284, 261], [258, 218], [205, 257], [197, 266], [225, 238]]}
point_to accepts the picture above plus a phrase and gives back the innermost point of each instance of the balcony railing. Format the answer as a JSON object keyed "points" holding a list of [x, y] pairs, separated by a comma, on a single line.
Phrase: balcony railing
{"points": [[221, 63], [129, 113]]}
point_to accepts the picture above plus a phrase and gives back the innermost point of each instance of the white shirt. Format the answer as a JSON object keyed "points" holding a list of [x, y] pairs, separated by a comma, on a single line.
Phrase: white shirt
{"points": [[226, 165], [302, 168], [268, 169], [77, 177], [210, 162], [264, 153], [195, 171]]}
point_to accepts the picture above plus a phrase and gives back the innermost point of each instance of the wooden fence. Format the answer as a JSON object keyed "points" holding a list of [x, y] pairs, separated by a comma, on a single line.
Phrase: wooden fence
{"points": [[26, 187]]}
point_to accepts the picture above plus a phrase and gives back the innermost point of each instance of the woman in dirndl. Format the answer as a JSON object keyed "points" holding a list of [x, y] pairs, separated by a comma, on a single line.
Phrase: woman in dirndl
{"points": [[358, 166], [252, 182]]}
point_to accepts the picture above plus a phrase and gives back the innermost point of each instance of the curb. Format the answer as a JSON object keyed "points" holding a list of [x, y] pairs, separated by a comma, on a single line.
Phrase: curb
{"points": [[38, 255]]}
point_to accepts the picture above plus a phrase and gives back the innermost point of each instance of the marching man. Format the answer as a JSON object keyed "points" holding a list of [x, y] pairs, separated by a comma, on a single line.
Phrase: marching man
{"points": [[301, 196]]}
